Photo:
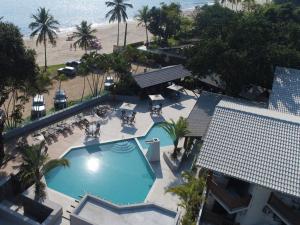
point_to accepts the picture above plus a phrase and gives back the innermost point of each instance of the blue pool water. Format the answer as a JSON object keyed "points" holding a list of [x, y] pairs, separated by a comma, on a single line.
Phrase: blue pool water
{"points": [[156, 132], [116, 171]]}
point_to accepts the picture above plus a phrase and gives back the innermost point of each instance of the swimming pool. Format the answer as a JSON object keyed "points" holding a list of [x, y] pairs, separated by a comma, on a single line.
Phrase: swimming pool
{"points": [[156, 132], [115, 171]]}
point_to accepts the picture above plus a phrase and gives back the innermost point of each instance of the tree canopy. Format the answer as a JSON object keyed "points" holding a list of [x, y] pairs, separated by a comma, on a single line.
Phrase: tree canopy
{"points": [[245, 47], [19, 75], [165, 21]]}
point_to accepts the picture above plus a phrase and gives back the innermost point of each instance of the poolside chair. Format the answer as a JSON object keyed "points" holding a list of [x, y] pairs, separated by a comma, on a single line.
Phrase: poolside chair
{"points": [[131, 119], [123, 114], [160, 108]]}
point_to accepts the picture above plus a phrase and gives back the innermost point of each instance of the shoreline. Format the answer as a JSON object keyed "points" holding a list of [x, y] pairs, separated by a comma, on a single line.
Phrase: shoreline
{"points": [[106, 33]]}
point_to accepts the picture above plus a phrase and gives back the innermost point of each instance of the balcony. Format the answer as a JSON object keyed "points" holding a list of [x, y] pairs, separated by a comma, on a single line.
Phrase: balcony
{"points": [[215, 219], [230, 199], [286, 213]]}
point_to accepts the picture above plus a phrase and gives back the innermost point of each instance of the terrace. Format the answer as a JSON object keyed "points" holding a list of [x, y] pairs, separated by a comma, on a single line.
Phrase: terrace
{"points": [[112, 129]]}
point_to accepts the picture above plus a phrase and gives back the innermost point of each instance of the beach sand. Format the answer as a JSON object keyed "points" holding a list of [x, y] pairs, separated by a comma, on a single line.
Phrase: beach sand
{"points": [[107, 34]]}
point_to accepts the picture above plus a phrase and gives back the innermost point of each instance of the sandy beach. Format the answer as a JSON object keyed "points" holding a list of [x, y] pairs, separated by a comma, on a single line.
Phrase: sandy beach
{"points": [[106, 33]]}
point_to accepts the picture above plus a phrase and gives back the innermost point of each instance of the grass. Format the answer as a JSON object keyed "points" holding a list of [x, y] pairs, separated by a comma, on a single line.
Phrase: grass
{"points": [[52, 70]]}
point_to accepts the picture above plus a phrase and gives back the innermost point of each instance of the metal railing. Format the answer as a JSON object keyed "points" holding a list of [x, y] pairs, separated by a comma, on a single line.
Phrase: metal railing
{"points": [[232, 202], [283, 211], [216, 219]]}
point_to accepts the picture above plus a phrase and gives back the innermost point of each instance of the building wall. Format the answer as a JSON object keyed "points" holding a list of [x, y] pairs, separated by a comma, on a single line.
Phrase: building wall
{"points": [[255, 215]]}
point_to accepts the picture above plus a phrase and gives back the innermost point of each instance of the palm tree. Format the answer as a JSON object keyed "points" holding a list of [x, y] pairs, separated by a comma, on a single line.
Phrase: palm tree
{"points": [[45, 27], [36, 164], [176, 130], [118, 12], [143, 18], [85, 35], [190, 195]]}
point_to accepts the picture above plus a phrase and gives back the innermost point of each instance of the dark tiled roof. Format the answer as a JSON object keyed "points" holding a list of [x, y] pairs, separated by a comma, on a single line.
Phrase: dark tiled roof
{"points": [[160, 76], [201, 115]]}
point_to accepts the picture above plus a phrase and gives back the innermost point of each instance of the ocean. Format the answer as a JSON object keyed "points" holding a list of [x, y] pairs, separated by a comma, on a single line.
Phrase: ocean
{"points": [[71, 12]]}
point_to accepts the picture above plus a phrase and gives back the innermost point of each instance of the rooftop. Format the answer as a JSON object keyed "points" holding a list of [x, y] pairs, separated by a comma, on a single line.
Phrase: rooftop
{"points": [[101, 212], [254, 144], [201, 115], [161, 76], [285, 96]]}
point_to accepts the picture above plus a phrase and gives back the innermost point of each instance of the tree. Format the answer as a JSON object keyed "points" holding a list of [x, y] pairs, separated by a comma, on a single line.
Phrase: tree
{"points": [[176, 130], [143, 18], [190, 195], [44, 27], [165, 21], [118, 13], [36, 163], [85, 35], [2, 122], [96, 65], [19, 75], [248, 4], [244, 47]]}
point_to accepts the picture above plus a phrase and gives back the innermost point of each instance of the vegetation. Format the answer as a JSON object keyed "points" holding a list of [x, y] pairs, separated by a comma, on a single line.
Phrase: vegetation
{"points": [[118, 13], [96, 65], [44, 27], [165, 21], [245, 47], [177, 131], [19, 75], [143, 18], [84, 34], [190, 195], [36, 164]]}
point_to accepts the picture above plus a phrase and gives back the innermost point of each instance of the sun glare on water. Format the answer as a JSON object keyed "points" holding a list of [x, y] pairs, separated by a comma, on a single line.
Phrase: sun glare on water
{"points": [[93, 164]]}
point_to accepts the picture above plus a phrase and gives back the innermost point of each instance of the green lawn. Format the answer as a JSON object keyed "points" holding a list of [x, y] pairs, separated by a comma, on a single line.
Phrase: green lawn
{"points": [[52, 70]]}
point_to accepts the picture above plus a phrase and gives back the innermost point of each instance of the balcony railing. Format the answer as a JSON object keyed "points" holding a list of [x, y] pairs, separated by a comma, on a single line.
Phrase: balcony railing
{"points": [[283, 211], [216, 219], [231, 202]]}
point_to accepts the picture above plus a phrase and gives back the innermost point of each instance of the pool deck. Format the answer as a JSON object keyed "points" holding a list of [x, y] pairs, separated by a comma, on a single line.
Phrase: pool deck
{"points": [[112, 130]]}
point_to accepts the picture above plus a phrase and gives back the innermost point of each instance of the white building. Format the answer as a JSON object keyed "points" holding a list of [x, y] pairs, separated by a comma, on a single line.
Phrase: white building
{"points": [[253, 155]]}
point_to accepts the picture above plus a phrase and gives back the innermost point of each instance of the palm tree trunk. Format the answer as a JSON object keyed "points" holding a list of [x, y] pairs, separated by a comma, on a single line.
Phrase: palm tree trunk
{"points": [[118, 33], [2, 153], [147, 37], [83, 89], [45, 47], [125, 36]]}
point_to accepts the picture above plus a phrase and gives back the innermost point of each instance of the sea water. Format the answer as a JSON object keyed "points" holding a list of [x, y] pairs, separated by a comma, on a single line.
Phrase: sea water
{"points": [[71, 12]]}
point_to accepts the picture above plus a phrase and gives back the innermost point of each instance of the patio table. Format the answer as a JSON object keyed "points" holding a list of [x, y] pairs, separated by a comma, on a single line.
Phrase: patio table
{"points": [[156, 97], [175, 87], [128, 106]]}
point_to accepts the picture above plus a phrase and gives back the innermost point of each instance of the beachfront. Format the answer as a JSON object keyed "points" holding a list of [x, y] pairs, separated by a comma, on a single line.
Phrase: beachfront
{"points": [[107, 34]]}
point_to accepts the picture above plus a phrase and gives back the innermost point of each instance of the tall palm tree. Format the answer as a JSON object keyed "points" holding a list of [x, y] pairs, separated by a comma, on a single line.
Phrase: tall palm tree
{"points": [[190, 194], [85, 35], [176, 130], [118, 13], [36, 163], [143, 18], [45, 27]]}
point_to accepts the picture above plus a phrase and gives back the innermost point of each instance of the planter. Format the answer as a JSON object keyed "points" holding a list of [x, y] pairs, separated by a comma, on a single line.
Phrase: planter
{"points": [[173, 164]]}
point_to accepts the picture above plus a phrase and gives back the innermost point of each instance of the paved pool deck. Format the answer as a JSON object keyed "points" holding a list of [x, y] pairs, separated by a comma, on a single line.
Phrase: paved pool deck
{"points": [[112, 129]]}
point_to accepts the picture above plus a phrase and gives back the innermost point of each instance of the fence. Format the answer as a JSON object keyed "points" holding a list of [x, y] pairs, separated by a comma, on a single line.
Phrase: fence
{"points": [[54, 118]]}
